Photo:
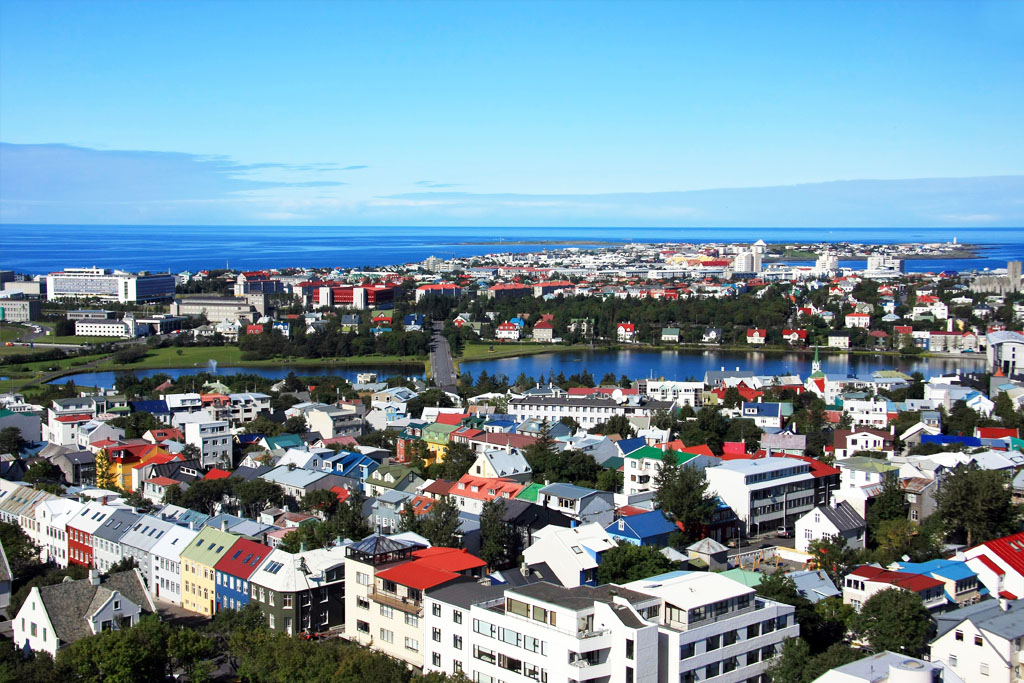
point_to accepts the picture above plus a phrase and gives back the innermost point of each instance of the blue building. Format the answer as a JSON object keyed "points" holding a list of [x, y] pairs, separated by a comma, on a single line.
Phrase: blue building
{"points": [[233, 571], [647, 528]]}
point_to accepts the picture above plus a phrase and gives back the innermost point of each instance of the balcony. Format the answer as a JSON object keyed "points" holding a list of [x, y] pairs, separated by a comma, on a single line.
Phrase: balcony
{"points": [[398, 602]]}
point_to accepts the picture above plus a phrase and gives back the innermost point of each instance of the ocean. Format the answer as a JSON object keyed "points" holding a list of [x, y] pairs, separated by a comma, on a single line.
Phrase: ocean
{"points": [[38, 249]]}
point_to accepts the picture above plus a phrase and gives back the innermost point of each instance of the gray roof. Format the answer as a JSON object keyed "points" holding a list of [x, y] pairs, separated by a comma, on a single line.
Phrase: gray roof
{"points": [[117, 525], [986, 615], [506, 464], [843, 516], [707, 546], [876, 667], [579, 597], [380, 545], [68, 604], [5, 567], [814, 585], [466, 592], [567, 491]]}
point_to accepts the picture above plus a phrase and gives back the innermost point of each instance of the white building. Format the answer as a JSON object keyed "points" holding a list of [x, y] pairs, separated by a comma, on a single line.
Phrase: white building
{"points": [[211, 437], [679, 393], [1006, 352], [106, 285], [838, 519], [588, 411], [165, 562], [711, 627], [572, 554], [889, 667], [55, 616], [982, 641], [104, 327], [867, 412], [50, 530], [765, 493]]}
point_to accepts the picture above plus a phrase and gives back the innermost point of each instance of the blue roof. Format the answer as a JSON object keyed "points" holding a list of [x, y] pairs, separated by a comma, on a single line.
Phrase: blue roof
{"points": [[627, 446], [943, 439], [157, 407], [644, 525], [414, 319], [954, 570], [761, 409]]}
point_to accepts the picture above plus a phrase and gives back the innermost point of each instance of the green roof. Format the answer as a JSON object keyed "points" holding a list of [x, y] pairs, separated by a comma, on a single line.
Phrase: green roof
{"points": [[670, 330], [4, 412], [529, 493], [747, 578], [284, 441], [658, 454], [398, 472], [209, 546], [613, 463]]}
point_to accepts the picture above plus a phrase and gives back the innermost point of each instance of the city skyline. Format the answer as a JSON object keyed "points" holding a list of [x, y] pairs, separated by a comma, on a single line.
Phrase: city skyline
{"points": [[573, 114]]}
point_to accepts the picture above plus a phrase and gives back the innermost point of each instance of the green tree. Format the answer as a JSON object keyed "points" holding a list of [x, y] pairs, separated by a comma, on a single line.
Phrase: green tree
{"points": [[732, 398], [349, 519], [123, 565], [494, 534], [408, 520], [441, 524], [190, 650], [295, 425], [136, 424], [22, 553], [42, 471], [888, 505], [256, 495], [138, 653], [138, 501], [11, 441], [778, 586], [895, 620], [682, 493], [977, 504], [833, 556], [323, 502], [617, 424], [627, 562], [458, 458]]}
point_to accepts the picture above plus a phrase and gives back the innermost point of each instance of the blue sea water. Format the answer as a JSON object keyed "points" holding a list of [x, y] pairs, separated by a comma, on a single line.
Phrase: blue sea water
{"points": [[44, 248]]}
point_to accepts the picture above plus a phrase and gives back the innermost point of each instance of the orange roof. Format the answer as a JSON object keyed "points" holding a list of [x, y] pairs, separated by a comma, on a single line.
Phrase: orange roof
{"points": [[451, 419], [342, 493], [162, 481], [81, 417], [501, 488], [159, 459]]}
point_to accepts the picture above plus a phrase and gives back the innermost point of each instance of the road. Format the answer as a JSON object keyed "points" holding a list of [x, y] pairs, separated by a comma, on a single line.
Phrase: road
{"points": [[441, 366]]}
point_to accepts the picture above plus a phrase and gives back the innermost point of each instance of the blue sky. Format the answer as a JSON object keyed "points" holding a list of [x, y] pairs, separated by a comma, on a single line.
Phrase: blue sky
{"points": [[565, 113]]}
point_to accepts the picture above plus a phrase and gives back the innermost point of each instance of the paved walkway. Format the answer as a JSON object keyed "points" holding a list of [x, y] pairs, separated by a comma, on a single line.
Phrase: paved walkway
{"points": [[441, 366]]}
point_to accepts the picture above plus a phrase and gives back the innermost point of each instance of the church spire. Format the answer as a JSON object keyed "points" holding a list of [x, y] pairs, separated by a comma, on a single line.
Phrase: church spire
{"points": [[816, 365]]}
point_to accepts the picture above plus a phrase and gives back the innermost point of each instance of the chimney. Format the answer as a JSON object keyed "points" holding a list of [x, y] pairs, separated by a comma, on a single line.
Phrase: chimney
{"points": [[94, 577], [524, 569], [223, 525], [1004, 604]]}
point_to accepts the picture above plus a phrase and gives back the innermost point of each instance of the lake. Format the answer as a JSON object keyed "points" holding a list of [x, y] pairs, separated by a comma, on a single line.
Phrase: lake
{"points": [[678, 365], [670, 364]]}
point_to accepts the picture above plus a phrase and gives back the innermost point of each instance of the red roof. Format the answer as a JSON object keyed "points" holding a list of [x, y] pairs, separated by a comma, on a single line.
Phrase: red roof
{"points": [[502, 488], [911, 582], [103, 443], [164, 434], [679, 447], [81, 417], [440, 487], [448, 559], [1009, 549], [542, 325], [629, 511], [451, 419], [342, 493], [217, 473], [985, 560], [754, 331], [1008, 595], [242, 558], [421, 504], [996, 433], [627, 327], [432, 567], [734, 448], [801, 334], [163, 481]]}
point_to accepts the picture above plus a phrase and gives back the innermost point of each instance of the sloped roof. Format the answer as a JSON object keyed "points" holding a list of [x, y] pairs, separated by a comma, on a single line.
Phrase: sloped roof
{"points": [[843, 517], [67, 604]]}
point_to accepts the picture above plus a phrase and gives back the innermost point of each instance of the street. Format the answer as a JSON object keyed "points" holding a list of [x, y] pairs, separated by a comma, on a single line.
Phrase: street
{"points": [[441, 365]]}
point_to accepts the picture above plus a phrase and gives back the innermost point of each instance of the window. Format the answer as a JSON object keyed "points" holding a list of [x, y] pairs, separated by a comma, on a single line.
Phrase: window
{"points": [[457, 642], [959, 635], [686, 651], [457, 616], [711, 670], [412, 644], [435, 659], [412, 620], [362, 603], [436, 635], [386, 611], [978, 641], [436, 609], [713, 643], [362, 627], [952, 660], [753, 631], [286, 600], [629, 650], [270, 620], [362, 579], [984, 669], [629, 674], [387, 636]]}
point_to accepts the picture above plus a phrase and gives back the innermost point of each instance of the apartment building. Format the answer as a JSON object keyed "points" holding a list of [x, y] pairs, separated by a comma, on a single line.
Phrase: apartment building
{"points": [[711, 627], [301, 592], [677, 392], [106, 542], [765, 493], [588, 411], [106, 285], [385, 580], [211, 437], [164, 578], [198, 576]]}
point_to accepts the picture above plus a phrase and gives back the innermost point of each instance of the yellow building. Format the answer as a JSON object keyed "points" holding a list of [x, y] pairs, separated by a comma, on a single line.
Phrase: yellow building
{"points": [[198, 577]]}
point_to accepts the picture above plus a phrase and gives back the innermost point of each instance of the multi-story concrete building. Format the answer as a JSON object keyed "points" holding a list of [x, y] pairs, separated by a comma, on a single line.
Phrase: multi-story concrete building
{"points": [[215, 308], [1006, 352], [50, 531], [588, 411], [711, 627], [211, 437], [106, 285], [14, 310], [385, 580], [765, 493], [677, 392], [101, 327]]}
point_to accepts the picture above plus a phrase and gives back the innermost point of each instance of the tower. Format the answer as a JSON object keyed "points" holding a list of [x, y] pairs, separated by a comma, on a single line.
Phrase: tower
{"points": [[816, 364]]}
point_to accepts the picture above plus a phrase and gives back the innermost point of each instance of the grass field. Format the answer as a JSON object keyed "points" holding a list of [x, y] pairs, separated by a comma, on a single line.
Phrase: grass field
{"points": [[506, 350], [12, 331], [75, 339], [196, 356]]}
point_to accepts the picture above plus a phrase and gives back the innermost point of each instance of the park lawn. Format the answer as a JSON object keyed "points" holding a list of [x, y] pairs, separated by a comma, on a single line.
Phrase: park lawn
{"points": [[50, 365], [195, 356], [12, 331], [75, 339], [14, 350], [481, 350]]}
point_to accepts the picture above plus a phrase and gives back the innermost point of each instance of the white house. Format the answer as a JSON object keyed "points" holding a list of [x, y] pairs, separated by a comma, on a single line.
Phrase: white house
{"points": [[838, 519], [55, 616], [164, 578], [572, 554], [626, 332], [861, 320], [508, 331], [50, 529], [867, 412], [982, 641], [891, 667]]}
